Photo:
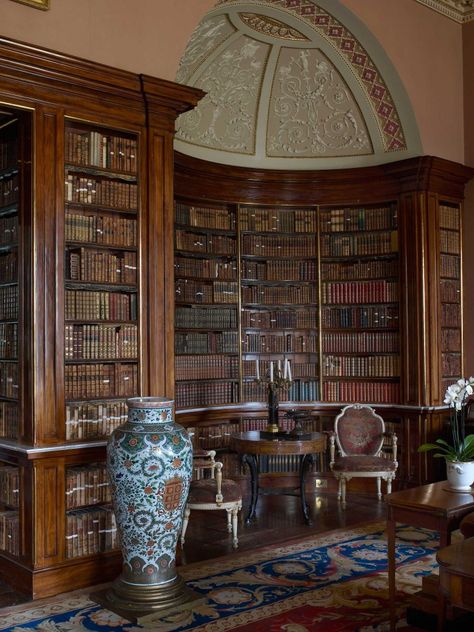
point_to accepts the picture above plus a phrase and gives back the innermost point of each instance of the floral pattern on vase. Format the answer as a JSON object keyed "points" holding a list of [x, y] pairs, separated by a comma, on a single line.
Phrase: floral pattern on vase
{"points": [[149, 459]]}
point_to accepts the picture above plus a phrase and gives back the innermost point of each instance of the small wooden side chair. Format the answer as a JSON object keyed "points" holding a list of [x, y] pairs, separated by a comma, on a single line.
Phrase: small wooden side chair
{"points": [[359, 434], [210, 492]]}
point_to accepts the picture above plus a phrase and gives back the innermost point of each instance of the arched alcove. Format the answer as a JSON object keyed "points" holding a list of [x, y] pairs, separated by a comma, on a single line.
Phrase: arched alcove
{"points": [[292, 85]]}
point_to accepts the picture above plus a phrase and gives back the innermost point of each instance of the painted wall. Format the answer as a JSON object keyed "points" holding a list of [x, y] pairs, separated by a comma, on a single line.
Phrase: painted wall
{"points": [[149, 36]]}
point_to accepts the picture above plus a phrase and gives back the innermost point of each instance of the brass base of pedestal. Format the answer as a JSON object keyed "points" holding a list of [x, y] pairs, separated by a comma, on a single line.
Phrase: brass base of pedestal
{"points": [[142, 603], [272, 428]]}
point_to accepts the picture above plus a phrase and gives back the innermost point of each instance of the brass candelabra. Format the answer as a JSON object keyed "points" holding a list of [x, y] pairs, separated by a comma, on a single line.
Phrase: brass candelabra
{"points": [[274, 380]]}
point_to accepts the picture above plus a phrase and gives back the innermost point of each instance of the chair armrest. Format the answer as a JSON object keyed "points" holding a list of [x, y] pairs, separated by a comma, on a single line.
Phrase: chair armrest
{"points": [[332, 446], [218, 467]]}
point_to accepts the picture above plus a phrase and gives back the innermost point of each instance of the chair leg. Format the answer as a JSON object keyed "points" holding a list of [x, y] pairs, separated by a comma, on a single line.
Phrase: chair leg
{"points": [[229, 520], [379, 488], [235, 515], [343, 490], [389, 485], [187, 512], [339, 489]]}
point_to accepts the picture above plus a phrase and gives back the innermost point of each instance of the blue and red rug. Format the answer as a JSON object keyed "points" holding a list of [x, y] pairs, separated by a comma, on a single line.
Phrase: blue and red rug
{"points": [[335, 582]]}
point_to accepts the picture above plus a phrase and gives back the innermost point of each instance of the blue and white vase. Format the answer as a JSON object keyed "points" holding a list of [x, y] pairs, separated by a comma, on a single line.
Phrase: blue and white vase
{"points": [[149, 461]]}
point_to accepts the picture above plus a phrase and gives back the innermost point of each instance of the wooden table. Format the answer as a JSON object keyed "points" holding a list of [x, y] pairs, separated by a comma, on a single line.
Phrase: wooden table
{"points": [[456, 576], [254, 444], [430, 506]]}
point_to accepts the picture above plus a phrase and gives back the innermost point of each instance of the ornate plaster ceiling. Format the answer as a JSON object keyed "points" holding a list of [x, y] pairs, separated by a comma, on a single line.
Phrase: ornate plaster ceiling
{"points": [[458, 10], [292, 84]]}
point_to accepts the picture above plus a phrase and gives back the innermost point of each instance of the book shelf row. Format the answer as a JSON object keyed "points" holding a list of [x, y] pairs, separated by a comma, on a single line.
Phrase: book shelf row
{"points": [[101, 229], [354, 270], [358, 219], [8, 266], [94, 419], [283, 270], [273, 295], [361, 366], [98, 266], [201, 217], [101, 192], [8, 340], [8, 189], [207, 367], [105, 150], [209, 244], [380, 291], [277, 220], [364, 392], [361, 342], [201, 318], [90, 381], [100, 305], [189, 291], [9, 486], [10, 532], [197, 342], [9, 302], [278, 246], [87, 485], [280, 343], [89, 342], [366, 317], [359, 245], [280, 319], [8, 230], [89, 531], [9, 386], [9, 420], [205, 268]]}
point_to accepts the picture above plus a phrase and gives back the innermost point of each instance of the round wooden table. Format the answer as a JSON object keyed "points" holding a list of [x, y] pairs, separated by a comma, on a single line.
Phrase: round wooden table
{"points": [[254, 444]]}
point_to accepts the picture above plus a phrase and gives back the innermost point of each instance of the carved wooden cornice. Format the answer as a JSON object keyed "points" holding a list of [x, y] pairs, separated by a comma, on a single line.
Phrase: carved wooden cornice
{"points": [[458, 10]]}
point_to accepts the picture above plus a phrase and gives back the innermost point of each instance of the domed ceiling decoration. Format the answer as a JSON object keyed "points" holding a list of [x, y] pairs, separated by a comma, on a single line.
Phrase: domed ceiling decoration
{"points": [[292, 84]]}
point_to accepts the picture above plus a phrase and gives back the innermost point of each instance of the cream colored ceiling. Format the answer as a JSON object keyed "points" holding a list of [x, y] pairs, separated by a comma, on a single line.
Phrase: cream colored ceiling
{"points": [[292, 84], [458, 10]]}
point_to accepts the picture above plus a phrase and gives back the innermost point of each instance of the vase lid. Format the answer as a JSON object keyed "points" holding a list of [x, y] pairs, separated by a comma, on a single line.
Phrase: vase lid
{"points": [[150, 402]]}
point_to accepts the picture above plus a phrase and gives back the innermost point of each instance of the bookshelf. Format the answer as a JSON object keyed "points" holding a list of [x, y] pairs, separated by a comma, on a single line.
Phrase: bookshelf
{"points": [[279, 299], [11, 178], [101, 225], [90, 520], [86, 241], [450, 293], [360, 304], [9, 509], [207, 301]]}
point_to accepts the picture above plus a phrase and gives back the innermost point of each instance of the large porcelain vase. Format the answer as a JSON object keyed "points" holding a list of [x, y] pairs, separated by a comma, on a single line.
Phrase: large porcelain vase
{"points": [[149, 461]]}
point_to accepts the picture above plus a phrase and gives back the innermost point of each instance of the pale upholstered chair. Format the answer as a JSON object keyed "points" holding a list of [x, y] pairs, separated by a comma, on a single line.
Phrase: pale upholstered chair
{"points": [[359, 435], [210, 492]]}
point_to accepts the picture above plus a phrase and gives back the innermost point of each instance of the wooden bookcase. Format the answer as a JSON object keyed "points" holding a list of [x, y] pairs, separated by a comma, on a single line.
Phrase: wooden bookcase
{"points": [[384, 305], [86, 234]]}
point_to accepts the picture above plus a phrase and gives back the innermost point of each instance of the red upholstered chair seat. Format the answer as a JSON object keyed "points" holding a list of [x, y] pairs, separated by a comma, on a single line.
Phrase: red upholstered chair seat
{"points": [[204, 491], [359, 463]]}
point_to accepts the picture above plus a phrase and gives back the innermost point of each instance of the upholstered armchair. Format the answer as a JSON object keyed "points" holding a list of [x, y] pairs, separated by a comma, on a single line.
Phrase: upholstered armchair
{"points": [[359, 435], [210, 492]]}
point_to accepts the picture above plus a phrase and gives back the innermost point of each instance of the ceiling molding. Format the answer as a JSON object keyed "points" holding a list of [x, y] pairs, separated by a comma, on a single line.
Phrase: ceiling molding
{"points": [[460, 11]]}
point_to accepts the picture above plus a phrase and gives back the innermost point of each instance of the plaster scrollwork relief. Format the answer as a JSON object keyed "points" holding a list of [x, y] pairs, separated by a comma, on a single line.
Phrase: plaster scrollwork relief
{"points": [[225, 118], [312, 111], [206, 38], [270, 26]]}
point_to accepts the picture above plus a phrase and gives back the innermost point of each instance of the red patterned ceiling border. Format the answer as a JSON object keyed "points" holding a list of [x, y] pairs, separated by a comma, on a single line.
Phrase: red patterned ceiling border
{"points": [[358, 59]]}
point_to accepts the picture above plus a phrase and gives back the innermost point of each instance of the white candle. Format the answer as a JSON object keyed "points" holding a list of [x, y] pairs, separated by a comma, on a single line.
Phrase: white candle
{"points": [[279, 368], [285, 370], [289, 370], [258, 369], [271, 371]]}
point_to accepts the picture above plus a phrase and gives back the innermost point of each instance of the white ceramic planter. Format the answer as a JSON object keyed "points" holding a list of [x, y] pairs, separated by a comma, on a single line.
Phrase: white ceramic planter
{"points": [[460, 475]]}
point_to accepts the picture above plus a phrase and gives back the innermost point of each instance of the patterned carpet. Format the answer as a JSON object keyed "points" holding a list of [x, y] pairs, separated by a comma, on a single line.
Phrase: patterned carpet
{"points": [[335, 582]]}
